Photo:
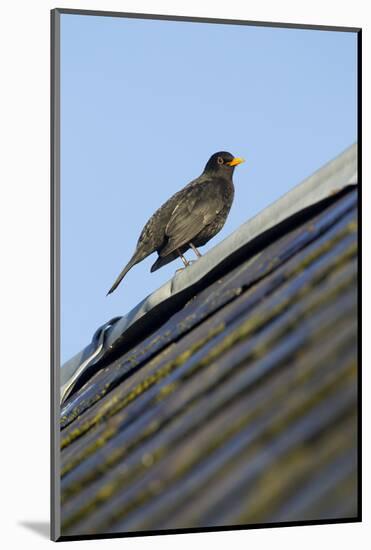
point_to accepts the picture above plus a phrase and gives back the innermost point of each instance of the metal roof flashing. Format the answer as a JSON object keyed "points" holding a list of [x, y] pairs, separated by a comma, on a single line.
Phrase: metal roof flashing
{"points": [[329, 180]]}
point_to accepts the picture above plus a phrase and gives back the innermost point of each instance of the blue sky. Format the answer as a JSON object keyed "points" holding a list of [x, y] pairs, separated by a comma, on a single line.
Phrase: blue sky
{"points": [[143, 106]]}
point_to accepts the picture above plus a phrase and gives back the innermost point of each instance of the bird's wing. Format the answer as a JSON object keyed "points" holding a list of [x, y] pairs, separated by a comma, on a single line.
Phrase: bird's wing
{"points": [[197, 208]]}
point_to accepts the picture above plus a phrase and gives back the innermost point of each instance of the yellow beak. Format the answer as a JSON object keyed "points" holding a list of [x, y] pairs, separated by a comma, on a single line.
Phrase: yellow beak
{"points": [[235, 161]]}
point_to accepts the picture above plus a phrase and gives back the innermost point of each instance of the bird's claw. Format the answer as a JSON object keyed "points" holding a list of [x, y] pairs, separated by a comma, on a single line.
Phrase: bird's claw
{"points": [[190, 262]]}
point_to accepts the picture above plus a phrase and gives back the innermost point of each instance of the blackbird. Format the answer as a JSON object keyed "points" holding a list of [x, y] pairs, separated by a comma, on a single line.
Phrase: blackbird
{"points": [[190, 218]]}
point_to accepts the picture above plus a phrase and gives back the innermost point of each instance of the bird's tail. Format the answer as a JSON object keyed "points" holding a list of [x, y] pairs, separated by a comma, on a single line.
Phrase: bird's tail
{"points": [[134, 260], [163, 260]]}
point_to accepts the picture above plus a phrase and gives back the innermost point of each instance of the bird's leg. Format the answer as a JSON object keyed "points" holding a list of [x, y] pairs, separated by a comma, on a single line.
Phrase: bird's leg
{"points": [[184, 260], [197, 252]]}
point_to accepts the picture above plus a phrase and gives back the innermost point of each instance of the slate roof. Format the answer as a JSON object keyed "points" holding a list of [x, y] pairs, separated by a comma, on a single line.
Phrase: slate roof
{"points": [[240, 407]]}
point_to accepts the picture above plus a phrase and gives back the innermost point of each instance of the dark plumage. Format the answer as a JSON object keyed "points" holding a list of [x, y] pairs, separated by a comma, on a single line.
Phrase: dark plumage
{"points": [[190, 218]]}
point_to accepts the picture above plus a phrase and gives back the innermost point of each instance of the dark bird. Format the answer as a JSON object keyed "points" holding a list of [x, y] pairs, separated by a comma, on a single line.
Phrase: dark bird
{"points": [[190, 218]]}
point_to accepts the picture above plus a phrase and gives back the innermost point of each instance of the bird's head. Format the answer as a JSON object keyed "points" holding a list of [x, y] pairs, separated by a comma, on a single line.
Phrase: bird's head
{"points": [[222, 163]]}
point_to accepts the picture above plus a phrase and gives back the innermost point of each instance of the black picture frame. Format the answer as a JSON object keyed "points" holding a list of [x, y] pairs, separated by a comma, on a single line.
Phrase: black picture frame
{"points": [[55, 267]]}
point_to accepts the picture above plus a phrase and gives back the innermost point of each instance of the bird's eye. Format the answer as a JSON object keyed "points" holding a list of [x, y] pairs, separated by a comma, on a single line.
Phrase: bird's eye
{"points": [[220, 160]]}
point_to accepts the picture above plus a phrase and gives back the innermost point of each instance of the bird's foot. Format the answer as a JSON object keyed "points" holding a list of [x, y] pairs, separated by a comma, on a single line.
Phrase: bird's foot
{"points": [[190, 262]]}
